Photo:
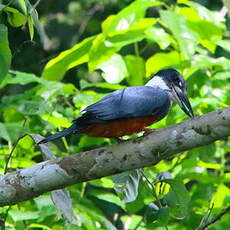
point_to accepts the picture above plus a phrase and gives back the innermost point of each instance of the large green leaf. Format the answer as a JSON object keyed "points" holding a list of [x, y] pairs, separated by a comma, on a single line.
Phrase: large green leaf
{"points": [[114, 70], [136, 69], [5, 53], [186, 38], [159, 35], [207, 30], [128, 16], [15, 17], [126, 185], [16, 77], [100, 52], [78, 54], [178, 198], [162, 60], [104, 47]]}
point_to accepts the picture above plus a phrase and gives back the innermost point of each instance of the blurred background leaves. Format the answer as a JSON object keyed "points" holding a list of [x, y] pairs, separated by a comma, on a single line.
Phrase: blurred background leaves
{"points": [[56, 57]]}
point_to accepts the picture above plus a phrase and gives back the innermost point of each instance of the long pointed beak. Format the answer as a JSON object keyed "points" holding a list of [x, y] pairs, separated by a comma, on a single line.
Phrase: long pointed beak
{"points": [[183, 102]]}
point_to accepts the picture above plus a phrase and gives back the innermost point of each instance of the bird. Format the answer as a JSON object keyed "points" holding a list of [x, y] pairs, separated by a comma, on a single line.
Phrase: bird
{"points": [[132, 109]]}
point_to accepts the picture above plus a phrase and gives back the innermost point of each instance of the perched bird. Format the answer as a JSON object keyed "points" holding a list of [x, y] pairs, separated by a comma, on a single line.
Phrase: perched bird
{"points": [[131, 110]]}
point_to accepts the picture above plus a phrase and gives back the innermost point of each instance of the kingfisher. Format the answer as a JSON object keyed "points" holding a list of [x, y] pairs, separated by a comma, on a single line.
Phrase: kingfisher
{"points": [[132, 109]]}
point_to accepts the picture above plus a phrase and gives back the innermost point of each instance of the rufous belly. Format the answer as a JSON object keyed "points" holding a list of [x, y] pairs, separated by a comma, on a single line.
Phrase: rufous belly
{"points": [[119, 128]]}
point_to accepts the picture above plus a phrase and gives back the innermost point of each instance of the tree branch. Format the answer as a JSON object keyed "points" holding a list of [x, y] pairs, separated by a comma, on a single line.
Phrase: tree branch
{"points": [[214, 219], [57, 173]]}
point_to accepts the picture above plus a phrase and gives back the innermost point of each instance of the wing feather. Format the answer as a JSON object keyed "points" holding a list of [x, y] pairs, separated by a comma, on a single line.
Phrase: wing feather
{"points": [[130, 102]]}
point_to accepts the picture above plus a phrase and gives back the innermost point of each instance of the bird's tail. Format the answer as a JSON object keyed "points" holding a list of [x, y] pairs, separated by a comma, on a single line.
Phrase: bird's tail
{"points": [[73, 128]]}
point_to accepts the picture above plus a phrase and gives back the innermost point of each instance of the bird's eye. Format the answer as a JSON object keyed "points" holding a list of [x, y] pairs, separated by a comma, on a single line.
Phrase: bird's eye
{"points": [[177, 82]]}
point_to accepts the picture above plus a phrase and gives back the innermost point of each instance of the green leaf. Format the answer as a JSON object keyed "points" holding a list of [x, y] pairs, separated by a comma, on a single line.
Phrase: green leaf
{"points": [[105, 46], [163, 216], [151, 213], [221, 195], [159, 35], [18, 215], [128, 16], [225, 44], [114, 70], [34, 18], [207, 33], [38, 226], [186, 38], [203, 61], [106, 196], [12, 115], [126, 185], [16, 77], [31, 27], [57, 67], [103, 85], [100, 52], [136, 69], [162, 60], [16, 18], [20, 5], [5, 53], [206, 30], [178, 198], [213, 16]]}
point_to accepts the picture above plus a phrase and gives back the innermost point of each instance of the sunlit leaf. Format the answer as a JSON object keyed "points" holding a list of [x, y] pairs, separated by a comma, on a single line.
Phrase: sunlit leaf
{"points": [[221, 195], [114, 70], [16, 18], [162, 60], [137, 74], [128, 16], [105, 46], [225, 44], [159, 35], [78, 54], [186, 38]]}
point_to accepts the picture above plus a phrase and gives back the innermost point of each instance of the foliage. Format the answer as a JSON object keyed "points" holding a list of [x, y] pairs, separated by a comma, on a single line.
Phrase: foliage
{"points": [[136, 39]]}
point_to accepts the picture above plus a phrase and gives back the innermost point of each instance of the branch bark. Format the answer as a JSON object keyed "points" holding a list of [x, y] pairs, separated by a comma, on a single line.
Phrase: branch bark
{"points": [[57, 173]]}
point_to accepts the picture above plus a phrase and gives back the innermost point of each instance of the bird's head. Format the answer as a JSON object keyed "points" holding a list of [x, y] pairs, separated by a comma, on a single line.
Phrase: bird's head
{"points": [[172, 81]]}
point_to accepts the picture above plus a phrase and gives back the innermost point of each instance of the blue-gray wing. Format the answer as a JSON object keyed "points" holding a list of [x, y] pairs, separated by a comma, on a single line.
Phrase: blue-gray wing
{"points": [[131, 102]]}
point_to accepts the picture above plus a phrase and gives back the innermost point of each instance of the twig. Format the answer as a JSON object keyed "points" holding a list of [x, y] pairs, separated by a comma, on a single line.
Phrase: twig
{"points": [[153, 189], [14, 146], [214, 219], [11, 153]]}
